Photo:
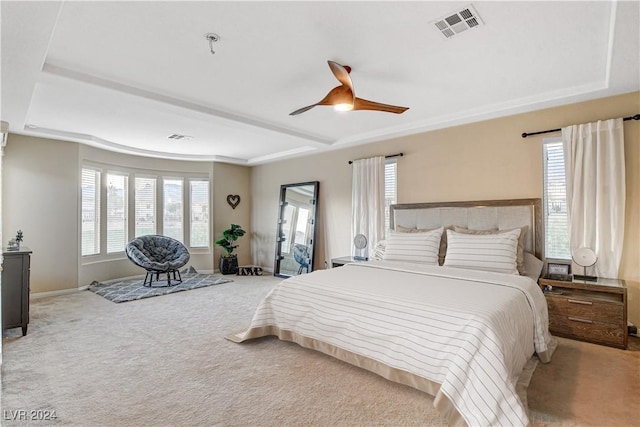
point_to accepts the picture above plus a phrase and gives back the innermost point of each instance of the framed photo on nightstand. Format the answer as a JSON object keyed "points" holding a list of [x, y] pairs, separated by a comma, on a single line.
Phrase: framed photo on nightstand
{"points": [[559, 271]]}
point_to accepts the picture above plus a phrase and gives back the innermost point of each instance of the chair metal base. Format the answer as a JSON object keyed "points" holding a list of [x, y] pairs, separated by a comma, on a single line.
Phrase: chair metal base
{"points": [[149, 277], [303, 267]]}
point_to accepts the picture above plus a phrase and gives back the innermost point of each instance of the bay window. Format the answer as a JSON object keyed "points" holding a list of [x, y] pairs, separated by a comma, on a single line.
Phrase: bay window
{"points": [[141, 202]]}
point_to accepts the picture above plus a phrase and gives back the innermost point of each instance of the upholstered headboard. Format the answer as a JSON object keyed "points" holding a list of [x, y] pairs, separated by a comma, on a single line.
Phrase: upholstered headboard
{"points": [[477, 215]]}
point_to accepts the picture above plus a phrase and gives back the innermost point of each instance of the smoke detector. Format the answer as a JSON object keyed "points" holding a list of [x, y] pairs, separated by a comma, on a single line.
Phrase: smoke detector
{"points": [[458, 22]]}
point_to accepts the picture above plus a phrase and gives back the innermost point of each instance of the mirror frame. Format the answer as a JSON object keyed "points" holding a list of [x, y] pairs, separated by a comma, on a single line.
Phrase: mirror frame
{"points": [[314, 216]]}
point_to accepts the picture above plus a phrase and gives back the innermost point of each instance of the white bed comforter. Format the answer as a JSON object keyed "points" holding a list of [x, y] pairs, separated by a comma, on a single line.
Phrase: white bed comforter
{"points": [[470, 331]]}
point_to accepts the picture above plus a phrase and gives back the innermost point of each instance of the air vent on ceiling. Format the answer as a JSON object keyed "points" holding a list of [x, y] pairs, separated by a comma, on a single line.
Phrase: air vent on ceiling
{"points": [[178, 136], [458, 22]]}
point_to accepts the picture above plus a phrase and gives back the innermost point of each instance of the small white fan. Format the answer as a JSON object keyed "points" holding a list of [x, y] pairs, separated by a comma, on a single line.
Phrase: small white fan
{"points": [[585, 257], [360, 243]]}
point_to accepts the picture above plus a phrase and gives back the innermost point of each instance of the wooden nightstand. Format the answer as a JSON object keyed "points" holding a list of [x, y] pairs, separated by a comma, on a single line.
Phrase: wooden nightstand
{"points": [[588, 311], [339, 262]]}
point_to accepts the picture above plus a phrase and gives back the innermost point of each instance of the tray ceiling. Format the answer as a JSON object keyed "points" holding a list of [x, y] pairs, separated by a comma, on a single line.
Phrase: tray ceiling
{"points": [[127, 75]]}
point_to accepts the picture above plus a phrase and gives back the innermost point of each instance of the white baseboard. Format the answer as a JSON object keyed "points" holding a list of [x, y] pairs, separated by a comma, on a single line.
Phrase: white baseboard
{"points": [[137, 276], [39, 295]]}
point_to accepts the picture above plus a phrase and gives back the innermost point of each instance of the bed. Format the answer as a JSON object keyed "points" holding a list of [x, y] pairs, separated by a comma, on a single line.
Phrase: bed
{"points": [[459, 331]]}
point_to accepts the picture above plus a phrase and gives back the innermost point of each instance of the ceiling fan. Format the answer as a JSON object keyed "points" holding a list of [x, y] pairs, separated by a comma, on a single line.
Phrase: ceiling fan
{"points": [[343, 97]]}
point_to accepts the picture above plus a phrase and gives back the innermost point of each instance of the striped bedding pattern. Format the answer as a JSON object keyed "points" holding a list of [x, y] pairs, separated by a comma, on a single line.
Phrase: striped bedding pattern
{"points": [[413, 247], [471, 332], [490, 252]]}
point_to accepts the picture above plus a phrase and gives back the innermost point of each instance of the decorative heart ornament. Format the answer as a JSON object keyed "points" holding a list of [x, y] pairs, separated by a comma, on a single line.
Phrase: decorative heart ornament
{"points": [[233, 200]]}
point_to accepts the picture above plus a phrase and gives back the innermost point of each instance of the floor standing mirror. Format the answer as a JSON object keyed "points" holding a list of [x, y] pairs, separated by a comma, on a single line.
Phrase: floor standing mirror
{"points": [[296, 232]]}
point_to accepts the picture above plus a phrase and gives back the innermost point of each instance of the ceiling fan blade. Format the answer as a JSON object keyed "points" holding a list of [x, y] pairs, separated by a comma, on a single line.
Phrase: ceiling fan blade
{"points": [[302, 110], [343, 97], [363, 104], [338, 95], [341, 73]]}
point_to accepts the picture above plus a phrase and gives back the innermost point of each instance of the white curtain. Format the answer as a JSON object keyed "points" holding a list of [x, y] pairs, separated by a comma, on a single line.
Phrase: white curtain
{"points": [[367, 201], [595, 175]]}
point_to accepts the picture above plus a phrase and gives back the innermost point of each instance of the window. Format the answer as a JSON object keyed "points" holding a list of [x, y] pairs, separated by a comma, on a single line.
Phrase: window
{"points": [[302, 223], [145, 206], [390, 189], [289, 211], [199, 235], [173, 211], [90, 214], [117, 207], [555, 201]]}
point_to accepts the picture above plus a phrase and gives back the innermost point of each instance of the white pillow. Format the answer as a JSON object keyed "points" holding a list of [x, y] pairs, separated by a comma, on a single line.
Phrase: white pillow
{"points": [[413, 247], [533, 266], [489, 252]]}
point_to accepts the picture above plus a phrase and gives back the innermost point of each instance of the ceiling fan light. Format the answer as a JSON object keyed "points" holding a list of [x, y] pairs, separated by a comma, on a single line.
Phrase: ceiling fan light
{"points": [[343, 107]]}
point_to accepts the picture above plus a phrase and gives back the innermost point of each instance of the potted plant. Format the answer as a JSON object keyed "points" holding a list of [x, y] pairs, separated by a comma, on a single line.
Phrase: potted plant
{"points": [[229, 260]]}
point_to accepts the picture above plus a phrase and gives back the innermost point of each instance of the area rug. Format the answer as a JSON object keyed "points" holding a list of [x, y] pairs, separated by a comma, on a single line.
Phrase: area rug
{"points": [[133, 289]]}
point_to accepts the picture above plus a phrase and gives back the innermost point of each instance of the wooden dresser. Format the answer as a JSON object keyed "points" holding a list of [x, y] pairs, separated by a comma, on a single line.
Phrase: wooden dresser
{"points": [[15, 289], [588, 311]]}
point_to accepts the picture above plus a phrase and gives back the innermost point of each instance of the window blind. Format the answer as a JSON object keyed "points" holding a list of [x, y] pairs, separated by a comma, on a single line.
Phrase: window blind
{"points": [[555, 202], [90, 215], [158, 205], [117, 206], [390, 190], [199, 235], [145, 206], [172, 225]]}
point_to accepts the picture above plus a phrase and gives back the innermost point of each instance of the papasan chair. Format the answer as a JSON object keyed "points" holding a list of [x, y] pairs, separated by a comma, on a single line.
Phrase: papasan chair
{"points": [[301, 256], [158, 254]]}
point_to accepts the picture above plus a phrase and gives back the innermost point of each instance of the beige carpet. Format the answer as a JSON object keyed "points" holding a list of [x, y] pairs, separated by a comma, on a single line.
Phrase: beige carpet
{"points": [[163, 361]]}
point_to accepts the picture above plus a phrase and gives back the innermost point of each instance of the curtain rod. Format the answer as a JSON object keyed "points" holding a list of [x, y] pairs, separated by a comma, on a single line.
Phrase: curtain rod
{"points": [[525, 134], [386, 157]]}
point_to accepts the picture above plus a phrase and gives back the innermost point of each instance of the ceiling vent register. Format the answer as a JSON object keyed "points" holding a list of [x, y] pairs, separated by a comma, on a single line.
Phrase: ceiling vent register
{"points": [[458, 22], [177, 136]]}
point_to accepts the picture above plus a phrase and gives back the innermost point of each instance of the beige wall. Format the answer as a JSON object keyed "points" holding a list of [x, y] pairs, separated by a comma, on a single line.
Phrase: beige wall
{"points": [[485, 160], [232, 180], [478, 161], [41, 196], [333, 203]]}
